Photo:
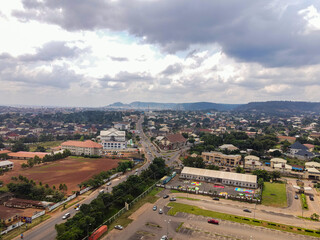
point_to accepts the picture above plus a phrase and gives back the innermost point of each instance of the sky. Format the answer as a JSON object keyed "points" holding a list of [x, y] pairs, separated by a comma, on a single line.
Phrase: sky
{"points": [[94, 53]]}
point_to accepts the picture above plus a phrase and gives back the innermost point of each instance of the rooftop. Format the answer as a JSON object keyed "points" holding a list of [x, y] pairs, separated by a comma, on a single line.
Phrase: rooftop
{"points": [[83, 144], [4, 163], [220, 174], [6, 212]]}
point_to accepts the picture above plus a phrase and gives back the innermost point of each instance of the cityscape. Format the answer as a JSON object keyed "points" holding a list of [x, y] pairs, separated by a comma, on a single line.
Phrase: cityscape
{"points": [[158, 119]]}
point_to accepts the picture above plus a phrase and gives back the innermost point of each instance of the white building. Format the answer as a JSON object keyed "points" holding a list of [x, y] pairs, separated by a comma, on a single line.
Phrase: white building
{"points": [[87, 147], [227, 178], [6, 164], [113, 139]]}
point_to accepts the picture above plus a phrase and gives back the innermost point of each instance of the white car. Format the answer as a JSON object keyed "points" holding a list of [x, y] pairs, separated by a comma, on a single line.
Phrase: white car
{"points": [[67, 215], [164, 237], [119, 227]]}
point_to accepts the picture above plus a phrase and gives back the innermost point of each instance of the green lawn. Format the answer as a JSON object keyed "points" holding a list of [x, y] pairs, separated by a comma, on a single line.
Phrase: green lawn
{"points": [[45, 144], [192, 199], [179, 207], [274, 194]]}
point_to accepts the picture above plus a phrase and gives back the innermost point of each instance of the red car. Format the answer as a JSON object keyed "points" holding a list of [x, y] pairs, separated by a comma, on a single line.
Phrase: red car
{"points": [[213, 221]]}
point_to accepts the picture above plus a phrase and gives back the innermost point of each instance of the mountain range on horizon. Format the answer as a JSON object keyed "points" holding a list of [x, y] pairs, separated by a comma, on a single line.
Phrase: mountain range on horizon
{"points": [[268, 106]]}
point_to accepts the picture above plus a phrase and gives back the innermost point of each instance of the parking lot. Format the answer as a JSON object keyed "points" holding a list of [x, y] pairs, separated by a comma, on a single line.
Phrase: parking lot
{"points": [[212, 187]]}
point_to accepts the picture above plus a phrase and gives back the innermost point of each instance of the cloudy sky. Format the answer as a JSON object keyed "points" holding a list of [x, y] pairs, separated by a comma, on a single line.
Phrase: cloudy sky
{"points": [[94, 53]]}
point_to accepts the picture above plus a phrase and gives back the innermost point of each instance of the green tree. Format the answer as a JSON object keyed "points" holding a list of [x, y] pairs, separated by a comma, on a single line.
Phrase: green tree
{"points": [[40, 149], [260, 183], [240, 170], [19, 146], [30, 162], [275, 175]]}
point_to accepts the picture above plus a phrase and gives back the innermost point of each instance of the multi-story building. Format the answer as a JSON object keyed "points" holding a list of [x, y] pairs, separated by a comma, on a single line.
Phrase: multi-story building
{"points": [[221, 159], [87, 147], [113, 139]]}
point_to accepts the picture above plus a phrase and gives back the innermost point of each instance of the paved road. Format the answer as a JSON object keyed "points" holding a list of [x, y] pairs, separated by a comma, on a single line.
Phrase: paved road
{"points": [[46, 229], [151, 225]]}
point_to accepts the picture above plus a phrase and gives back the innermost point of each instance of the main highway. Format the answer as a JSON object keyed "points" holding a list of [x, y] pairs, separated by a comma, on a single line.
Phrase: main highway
{"points": [[46, 230]]}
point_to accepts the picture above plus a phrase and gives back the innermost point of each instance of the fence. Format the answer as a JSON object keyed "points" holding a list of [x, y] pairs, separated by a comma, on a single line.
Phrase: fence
{"points": [[62, 202], [18, 224], [123, 210]]}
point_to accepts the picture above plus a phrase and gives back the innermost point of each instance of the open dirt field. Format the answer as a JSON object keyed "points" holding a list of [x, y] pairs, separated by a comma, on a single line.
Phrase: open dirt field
{"points": [[70, 171]]}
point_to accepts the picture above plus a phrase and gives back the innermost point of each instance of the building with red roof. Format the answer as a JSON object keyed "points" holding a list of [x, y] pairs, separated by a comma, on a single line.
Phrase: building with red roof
{"points": [[87, 147], [26, 155], [173, 141]]}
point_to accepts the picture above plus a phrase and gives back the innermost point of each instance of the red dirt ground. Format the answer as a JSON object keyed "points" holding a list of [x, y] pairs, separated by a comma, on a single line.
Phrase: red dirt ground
{"points": [[70, 171]]}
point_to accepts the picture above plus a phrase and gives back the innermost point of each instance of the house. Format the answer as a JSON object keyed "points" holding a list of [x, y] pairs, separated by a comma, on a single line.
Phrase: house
{"points": [[25, 203], [228, 147], [286, 138], [9, 215], [6, 164], [252, 161], [298, 150], [221, 159], [309, 146], [122, 125], [173, 141], [113, 139], [87, 147], [275, 161]]}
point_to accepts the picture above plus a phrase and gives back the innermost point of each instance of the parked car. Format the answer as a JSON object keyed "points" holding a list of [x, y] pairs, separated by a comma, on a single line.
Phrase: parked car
{"points": [[160, 211], [166, 196], [296, 197], [78, 208], [216, 199], [164, 237], [67, 215], [173, 199], [101, 191], [213, 221], [119, 227], [311, 198], [314, 181], [109, 183], [247, 210], [154, 208]]}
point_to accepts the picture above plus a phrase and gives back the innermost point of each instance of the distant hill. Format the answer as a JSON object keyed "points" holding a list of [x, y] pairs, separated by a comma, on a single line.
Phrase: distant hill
{"points": [[174, 106], [280, 107]]}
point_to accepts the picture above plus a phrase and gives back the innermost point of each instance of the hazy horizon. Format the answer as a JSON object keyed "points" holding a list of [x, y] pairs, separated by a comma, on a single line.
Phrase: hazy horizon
{"points": [[94, 53]]}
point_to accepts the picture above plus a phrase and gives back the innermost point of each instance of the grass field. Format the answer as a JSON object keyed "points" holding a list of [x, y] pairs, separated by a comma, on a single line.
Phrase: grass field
{"points": [[179, 207], [47, 145], [274, 194]]}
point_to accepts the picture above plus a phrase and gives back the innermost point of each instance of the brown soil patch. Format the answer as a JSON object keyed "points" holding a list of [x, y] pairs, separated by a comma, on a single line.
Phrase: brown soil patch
{"points": [[70, 171]]}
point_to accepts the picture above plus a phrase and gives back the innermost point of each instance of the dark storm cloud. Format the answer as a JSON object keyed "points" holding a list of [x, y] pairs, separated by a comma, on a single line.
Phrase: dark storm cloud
{"points": [[249, 30], [52, 51]]}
